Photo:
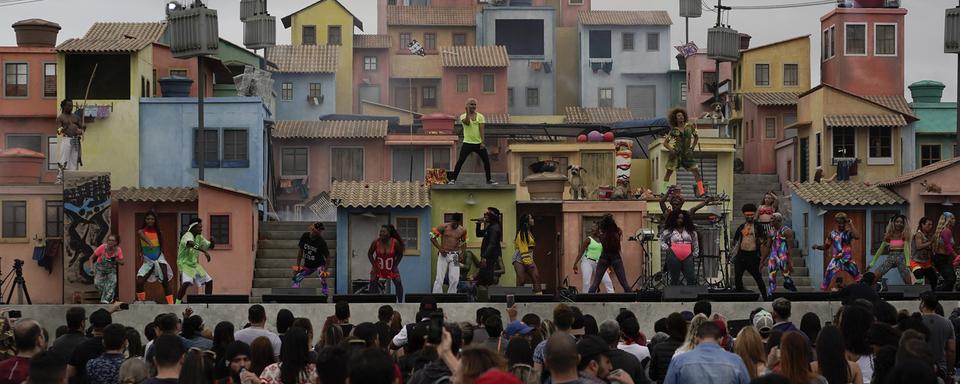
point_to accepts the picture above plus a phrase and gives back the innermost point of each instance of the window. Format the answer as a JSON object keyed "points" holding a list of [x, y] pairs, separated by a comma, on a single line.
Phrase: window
{"points": [[409, 163], [770, 128], [430, 41], [819, 151], [533, 97], [309, 35], [429, 97], [14, 219], [440, 158], [844, 142], [576, 2], [409, 230], [510, 97], [235, 148], [791, 75], [829, 43], [31, 142], [52, 154], [653, 42], [600, 45], [220, 229], [855, 39], [286, 91], [459, 39], [762, 75], [185, 219], [210, 149], [369, 63], [405, 40], [683, 91], [50, 80], [709, 80], [628, 41], [881, 142], [878, 227], [346, 164], [929, 154], [54, 218], [333, 35], [605, 97], [463, 83], [117, 86], [178, 72], [530, 44], [315, 90], [886, 40], [15, 80], [489, 83], [293, 161]]}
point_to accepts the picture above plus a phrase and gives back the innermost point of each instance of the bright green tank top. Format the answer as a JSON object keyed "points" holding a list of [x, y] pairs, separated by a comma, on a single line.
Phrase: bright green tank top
{"points": [[594, 249]]}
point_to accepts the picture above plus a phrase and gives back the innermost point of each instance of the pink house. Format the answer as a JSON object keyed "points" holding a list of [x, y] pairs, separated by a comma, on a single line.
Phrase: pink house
{"points": [[478, 72], [929, 204], [371, 68], [861, 45], [701, 71], [765, 115], [164, 64]]}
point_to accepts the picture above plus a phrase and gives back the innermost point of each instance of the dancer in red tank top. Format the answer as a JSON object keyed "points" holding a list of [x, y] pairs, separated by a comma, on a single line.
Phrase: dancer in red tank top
{"points": [[385, 254]]}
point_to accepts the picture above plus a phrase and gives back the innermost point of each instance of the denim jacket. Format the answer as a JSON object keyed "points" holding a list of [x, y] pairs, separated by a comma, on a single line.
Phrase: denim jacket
{"points": [[707, 364]]}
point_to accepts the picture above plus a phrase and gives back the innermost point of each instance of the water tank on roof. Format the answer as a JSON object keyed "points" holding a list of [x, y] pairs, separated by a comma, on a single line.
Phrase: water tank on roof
{"points": [[36, 33]]}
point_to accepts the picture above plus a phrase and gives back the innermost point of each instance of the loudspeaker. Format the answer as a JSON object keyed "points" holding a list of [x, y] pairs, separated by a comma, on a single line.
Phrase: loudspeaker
{"points": [[295, 299], [606, 297], [525, 299], [909, 292], [650, 296], [294, 291], [805, 296], [951, 296], [683, 292], [441, 297], [891, 296], [366, 299], [729, 296], [516, 291], [218, 299]]}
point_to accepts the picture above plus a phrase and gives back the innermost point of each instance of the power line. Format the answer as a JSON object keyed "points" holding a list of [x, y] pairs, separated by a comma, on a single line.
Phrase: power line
{"points": [[781, 6], [16, 2]]}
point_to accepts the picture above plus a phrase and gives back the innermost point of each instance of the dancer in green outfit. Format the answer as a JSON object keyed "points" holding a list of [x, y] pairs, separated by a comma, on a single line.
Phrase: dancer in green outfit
{"points": [[192, 244]]}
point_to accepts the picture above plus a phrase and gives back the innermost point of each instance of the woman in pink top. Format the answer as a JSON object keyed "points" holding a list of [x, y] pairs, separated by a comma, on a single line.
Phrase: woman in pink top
{"points": [[105, 260], [895, 247]]}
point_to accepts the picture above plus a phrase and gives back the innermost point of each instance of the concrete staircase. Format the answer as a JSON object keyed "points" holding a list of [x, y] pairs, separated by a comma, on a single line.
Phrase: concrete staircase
{"points": [[277, 253]]}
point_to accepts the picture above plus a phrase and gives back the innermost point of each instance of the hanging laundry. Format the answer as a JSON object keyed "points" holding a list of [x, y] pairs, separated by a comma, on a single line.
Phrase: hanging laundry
{"points": [[103, 111], [90, 111], [547, 68], [843, 169], [286, 183], [536, 65], [50, 252], [608, 67], [595, 66]]}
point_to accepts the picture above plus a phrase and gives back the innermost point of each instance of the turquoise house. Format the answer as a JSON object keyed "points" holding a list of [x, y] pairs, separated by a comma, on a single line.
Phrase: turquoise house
{"points": [[935, 132], [362, 208]]}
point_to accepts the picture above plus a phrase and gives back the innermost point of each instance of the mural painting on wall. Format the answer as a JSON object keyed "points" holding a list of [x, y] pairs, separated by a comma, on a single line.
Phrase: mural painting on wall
{"points": [[86, 220]]}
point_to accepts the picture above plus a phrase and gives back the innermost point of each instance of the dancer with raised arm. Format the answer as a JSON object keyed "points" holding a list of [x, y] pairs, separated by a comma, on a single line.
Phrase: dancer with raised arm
{"points": [[896, 247], [385, 254], [839, 242]]}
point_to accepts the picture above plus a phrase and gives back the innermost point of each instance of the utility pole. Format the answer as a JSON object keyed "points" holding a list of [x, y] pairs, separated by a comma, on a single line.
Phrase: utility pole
{"points": [[951, 44]]}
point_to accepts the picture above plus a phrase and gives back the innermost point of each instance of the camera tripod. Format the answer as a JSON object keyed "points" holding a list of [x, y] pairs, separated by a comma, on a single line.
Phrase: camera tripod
{"points": [[19, 285], [645, 282]]}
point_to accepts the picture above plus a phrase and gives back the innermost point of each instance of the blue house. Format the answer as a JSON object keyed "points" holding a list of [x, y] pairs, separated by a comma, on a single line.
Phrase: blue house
{"points": [[304, 80], [235, 147], [364, 206], [869, 207]]}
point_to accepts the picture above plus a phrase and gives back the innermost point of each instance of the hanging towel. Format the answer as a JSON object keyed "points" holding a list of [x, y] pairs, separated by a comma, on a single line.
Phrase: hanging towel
{"points": [[844, 168], [595, 66], [607, 67], [536, 65], [547, 68], [286, 183], [50, 252]]}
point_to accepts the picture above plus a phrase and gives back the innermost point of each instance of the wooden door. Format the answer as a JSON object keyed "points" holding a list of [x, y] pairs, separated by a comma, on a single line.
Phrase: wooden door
{"points": [[829, 224], [170, 229], [546, 231]]}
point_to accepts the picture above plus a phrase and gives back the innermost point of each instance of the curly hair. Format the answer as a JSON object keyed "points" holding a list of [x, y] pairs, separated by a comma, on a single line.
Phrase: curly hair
{"points": [[672, 116]]}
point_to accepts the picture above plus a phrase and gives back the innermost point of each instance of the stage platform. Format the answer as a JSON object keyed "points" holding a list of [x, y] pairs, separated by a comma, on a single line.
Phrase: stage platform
{"points": [[52, 316]]}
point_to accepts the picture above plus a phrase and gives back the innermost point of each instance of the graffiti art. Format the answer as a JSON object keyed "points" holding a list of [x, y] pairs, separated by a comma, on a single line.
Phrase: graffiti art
{"points": [[86, 219]]}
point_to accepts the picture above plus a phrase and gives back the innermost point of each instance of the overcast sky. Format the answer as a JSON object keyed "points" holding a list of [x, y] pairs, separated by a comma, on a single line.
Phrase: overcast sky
{"points": [[924, 25]]}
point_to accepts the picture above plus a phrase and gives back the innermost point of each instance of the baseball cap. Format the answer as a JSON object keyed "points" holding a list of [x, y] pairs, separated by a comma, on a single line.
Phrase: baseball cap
{"points": [[496, 376], [100, 318], [590, 346], [517, 327], [763, 321]]}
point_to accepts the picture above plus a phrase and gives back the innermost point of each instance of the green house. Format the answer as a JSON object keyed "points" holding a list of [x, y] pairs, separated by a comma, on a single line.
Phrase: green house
{"points": [[937, 128]]}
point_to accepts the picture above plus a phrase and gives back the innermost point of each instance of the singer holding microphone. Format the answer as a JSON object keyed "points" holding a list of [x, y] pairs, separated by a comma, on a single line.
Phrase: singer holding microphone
{"points": [[491, 231]]}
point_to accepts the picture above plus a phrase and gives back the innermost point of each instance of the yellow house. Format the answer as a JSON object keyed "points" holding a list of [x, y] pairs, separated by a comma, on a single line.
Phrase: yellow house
{"points": [[783, 66], [124, 58], [835, 126], [596, 158], [328, 22]]}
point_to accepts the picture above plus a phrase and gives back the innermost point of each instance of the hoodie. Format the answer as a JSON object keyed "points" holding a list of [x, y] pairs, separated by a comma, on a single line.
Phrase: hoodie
{"points": [[431, 373]]}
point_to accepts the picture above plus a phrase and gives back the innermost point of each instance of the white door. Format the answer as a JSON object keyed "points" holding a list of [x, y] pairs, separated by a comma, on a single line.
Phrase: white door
{"points": [[362, 231]]}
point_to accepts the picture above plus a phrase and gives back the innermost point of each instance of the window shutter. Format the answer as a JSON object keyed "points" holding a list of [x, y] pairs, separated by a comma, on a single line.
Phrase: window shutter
{"points": [[708, 170], [600, 169]]}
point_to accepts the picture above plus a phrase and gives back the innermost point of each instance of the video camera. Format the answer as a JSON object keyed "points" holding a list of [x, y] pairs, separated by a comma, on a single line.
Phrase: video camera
{"points": [[17, 264]]}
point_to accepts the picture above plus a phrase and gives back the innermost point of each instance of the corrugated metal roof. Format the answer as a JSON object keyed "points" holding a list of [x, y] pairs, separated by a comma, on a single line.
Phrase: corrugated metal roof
{"points": [[435, 16], [155, 194], [865, 120], [371, 41], [582, 115], [778, 99], [380, 194], [920, 172], [625, 18], [330, 129], [845, 193], [115, 38], [493, 56], [304, 58]]}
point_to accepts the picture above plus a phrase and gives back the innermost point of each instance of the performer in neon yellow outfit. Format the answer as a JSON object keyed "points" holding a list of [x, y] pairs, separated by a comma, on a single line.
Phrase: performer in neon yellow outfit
{"points": [[192, 244]]}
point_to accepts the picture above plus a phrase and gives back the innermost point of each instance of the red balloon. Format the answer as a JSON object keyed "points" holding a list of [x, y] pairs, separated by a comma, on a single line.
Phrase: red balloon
{"points": [[608, 136], [582, 139]]}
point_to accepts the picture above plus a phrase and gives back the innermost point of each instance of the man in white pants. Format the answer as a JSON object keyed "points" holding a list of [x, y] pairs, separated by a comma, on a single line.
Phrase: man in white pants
{"points": [[451, 239], [70, 129]]}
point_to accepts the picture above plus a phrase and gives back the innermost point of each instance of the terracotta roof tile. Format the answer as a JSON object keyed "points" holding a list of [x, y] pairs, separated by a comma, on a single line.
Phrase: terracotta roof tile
{"points": [[906, 177], [155, 194], [845, 193], [435, 16], [865, 120], [304, 58], [115, 38], [380, 194], [497, 118], [330, 129], [777, 99], [493, 56], [896, 102], [625, 18], [582, 115], [371, 41]]}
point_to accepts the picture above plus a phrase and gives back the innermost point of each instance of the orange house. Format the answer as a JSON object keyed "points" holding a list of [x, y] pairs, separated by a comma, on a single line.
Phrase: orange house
{"points": [[474, 72]]}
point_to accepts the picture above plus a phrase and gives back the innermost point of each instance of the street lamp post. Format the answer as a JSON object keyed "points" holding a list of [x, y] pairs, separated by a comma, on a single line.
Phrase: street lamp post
{"points": [[951, 44]]}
